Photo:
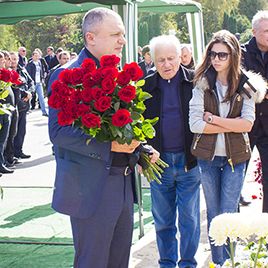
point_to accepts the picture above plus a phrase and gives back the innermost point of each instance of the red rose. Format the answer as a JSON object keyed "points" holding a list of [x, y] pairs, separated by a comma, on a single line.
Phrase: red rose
{"points": [[88, 65], [65, 119], [109, 72], [87, 81], [108, 85], [96, 93], [77, 76], [61, 88], [123, 78], [127, 93], [103, 103], [96, 76], [76, 96], [109, 61], [82, 109], [5, 75], [66, 76], [121, 118], [15, 78], [70, 108], [56, 101], [86, 95], [91, 120], [254, 197], [134, 70]]}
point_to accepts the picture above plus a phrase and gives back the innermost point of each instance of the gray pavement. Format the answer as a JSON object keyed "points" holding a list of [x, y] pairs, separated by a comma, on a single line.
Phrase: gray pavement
{"points": [[39, 171]]}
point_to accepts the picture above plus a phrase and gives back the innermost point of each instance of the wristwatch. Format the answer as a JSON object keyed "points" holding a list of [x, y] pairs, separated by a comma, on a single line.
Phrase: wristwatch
{"points": [[210, 119]]}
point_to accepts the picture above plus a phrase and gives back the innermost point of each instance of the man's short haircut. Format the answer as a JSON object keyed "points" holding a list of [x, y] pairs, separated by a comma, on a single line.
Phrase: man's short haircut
{"points": [[188, 46], [145, 50], [258, 17], [59, 50], [35, 52], [2, 55], [93, 18], [6, 53], [162, 40], [66, 53], [14, 53]]}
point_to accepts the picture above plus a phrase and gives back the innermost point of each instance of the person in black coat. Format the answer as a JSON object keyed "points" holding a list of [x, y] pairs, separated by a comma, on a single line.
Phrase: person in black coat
{"points": [[146, 64], [171, 89], [255, 58]]}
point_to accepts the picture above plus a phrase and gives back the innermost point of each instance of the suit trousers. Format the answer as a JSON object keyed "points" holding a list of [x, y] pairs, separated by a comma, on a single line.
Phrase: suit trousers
{"points": [[104, 239]]}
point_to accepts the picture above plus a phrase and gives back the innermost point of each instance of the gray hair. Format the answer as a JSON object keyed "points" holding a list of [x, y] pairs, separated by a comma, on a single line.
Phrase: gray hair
{"points": [[94, 17], [188, 46], [258, 17], [164, 40]]}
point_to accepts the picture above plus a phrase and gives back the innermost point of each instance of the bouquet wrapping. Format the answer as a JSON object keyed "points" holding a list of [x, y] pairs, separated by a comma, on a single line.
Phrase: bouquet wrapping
{"points": [[107, 104]]}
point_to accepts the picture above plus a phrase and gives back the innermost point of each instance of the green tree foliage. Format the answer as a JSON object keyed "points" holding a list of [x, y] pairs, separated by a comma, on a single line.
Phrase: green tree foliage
{"points": [[7, 40], [62, 31], [249, 8], [235, 22], [149, 24], [143, 33]]}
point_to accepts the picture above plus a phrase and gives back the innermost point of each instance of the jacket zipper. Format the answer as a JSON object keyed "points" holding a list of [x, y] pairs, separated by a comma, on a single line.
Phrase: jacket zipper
{"points": [[197, 140], [230, 161], [246, 139]]}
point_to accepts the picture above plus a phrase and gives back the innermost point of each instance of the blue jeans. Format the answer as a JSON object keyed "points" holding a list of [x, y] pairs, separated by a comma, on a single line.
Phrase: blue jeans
{"points": [[222, 188], [40, 94], [179, 190]]}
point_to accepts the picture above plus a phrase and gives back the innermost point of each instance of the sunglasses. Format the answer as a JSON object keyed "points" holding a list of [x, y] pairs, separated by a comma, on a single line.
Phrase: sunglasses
{"points": [[221, 55]]}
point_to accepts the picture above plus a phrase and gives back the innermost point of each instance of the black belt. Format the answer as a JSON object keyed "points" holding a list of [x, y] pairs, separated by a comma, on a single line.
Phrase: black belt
{"points": [[121, 170]]}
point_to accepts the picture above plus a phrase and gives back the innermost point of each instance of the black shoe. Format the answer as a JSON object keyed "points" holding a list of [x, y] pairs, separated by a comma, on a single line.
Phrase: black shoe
{"points": [[45, 115], [243, 202], [5, 170], [23, 156]]}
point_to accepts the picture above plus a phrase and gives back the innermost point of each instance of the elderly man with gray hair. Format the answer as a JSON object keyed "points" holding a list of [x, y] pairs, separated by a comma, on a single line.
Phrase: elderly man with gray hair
{"points": [[171, 90], [255, 58]]}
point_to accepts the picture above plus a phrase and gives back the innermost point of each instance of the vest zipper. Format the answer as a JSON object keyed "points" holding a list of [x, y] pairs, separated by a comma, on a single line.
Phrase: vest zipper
{"points": [[230, 161], [197, 140]]}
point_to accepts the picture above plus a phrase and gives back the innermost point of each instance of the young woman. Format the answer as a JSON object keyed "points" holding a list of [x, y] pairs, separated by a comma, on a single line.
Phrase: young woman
{"points": [[222, 111]]}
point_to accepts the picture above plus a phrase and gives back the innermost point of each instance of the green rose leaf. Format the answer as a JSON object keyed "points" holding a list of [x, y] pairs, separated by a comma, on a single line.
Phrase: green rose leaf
{"points": [[144, 96], [148, 130], [152, 121], [140, 83]]}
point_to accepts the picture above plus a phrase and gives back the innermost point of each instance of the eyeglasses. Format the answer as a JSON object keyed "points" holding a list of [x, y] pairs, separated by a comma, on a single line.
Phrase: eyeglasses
{"points": [[221, 55]]}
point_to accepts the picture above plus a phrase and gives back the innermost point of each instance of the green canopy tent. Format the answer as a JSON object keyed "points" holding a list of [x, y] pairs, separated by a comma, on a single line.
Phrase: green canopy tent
{"points": [[15, 11]]}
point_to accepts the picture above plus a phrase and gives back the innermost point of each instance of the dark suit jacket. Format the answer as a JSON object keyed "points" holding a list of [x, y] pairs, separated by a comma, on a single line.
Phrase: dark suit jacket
{"points": [[154, 109], [143, 67], [252, 60], [82, 170]]}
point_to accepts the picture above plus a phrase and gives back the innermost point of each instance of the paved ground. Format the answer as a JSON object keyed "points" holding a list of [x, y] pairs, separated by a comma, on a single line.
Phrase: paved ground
{"points": [[39, 170]]}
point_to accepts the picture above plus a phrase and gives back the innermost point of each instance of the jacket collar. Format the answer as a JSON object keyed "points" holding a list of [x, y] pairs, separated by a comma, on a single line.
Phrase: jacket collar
{"points": [[152, 80]]}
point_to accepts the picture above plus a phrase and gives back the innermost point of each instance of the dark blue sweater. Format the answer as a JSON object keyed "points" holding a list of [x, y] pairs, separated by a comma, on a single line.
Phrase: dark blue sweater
{"points": [[171, 118]]}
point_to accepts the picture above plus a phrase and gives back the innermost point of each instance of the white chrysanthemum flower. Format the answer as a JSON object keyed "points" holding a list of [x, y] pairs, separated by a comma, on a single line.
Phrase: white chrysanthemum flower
{"points": [[228, 225]]}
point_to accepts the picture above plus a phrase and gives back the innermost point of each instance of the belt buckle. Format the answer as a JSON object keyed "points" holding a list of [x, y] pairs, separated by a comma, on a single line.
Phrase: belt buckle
{"points": [[127, 171]]}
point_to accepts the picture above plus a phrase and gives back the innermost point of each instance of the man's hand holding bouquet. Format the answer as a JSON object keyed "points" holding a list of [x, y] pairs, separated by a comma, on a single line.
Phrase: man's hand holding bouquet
{"points": [[107, 104]]}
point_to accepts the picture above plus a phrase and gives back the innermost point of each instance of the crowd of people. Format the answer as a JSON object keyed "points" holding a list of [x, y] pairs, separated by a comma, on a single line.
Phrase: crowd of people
{"points": [[210, 117], [34, 75]]}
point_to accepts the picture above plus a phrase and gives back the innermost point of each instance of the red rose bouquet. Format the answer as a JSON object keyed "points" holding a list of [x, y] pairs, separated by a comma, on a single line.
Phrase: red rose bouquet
{"points": [[7, 78], [107, 104]]}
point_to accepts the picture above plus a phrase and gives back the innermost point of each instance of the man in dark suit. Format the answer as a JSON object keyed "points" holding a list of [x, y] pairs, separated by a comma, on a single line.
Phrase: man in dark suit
{"points": [[94, 184], [146, 64], [51, 58], [22, 56]]}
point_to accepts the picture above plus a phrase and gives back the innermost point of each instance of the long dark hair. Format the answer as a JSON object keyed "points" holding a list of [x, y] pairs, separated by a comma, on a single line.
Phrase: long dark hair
{"points": [[228, 39]]}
